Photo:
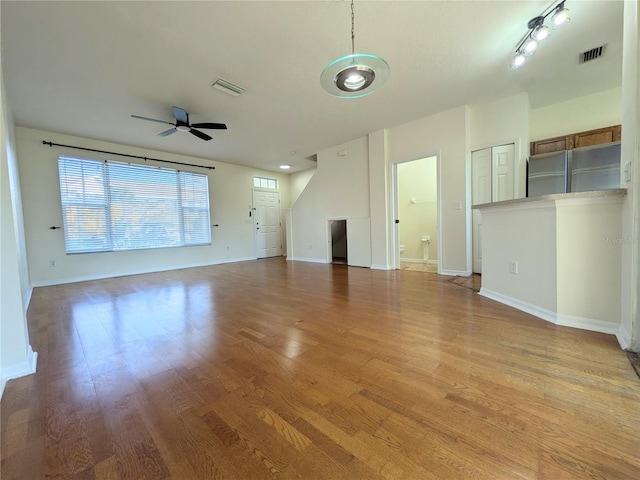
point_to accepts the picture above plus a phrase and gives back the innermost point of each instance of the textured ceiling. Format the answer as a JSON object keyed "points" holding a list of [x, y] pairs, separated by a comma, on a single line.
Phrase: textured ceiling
{"points": [[83, 68]]}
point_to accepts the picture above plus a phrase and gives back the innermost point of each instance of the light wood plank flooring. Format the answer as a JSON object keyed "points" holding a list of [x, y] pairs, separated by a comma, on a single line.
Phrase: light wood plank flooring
{"points": [[275, 369]]}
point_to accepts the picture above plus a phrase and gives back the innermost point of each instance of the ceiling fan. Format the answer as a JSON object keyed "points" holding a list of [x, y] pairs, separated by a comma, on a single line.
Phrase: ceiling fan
{"points": [[182, 124]]}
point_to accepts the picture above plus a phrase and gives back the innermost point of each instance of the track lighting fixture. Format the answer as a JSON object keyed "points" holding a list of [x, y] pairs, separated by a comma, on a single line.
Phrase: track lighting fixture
{"points": [[354, 75], [538, 32]]}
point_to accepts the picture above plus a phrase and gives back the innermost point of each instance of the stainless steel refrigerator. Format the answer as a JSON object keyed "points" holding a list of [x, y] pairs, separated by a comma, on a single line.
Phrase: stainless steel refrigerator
{"points": [[595, 168], [578, 170], [547, 173]]}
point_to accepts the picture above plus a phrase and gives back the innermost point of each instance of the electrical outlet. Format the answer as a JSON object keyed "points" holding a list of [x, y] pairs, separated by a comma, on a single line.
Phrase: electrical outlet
{"points": [[514, 267], [53, 263]]}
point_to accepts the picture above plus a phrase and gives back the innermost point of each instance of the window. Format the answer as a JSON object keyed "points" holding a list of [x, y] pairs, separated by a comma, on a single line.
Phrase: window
{"points": [[262, 182], [110, 206]]}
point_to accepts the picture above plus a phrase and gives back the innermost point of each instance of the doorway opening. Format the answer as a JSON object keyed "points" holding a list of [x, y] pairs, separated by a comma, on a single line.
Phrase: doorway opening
{"points": [[339, 242], [417, 238]]}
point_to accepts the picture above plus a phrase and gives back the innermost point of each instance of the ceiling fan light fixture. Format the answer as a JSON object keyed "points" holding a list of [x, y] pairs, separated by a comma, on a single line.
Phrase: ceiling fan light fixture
{"points": [[183, 128]]}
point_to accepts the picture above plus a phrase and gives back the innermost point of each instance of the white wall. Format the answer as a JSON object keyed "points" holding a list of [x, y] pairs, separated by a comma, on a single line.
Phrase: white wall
{"points": [[339, 189], [525, 234], [380, 205], [445, 134], [589, 252], [298, 182], [230, 189], [593, 111], [16, 356], [502, 122]]}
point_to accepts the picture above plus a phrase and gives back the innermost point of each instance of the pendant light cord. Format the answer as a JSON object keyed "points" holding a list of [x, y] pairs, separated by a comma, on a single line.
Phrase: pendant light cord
{"points": [[353, 30]]}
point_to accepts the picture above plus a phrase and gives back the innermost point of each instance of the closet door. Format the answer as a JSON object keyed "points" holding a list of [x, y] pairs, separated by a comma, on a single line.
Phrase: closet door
{"points": [[481, 192], [503, 177]]}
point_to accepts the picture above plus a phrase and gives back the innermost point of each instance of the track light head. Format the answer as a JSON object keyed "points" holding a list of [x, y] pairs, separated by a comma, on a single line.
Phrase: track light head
{"points": [[561, 16], [518, 60]]}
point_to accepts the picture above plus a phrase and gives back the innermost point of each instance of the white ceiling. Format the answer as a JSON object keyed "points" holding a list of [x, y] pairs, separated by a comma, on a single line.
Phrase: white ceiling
{"points": [[83, 68]]}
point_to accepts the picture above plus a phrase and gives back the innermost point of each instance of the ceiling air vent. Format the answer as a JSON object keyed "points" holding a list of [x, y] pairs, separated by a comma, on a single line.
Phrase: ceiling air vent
{"points": [[592, 54], [227, 87]]}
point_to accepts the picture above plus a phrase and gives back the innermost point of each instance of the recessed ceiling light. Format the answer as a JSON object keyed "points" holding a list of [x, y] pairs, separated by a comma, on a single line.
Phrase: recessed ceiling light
{"points": [[285, 167]]}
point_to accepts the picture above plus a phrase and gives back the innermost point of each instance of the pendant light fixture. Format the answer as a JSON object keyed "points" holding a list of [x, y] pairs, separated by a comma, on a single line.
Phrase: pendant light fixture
{"points": [[354, 75]]}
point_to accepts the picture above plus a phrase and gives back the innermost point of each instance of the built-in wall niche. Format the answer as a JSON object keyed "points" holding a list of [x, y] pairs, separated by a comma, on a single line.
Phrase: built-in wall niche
{"points": [[587, 138]]}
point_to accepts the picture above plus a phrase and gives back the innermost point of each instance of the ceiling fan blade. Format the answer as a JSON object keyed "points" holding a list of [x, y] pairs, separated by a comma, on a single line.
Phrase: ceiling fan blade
{"points": [[152, 119], [200, 134], [181, 115], [213, 126], [167, 132]]}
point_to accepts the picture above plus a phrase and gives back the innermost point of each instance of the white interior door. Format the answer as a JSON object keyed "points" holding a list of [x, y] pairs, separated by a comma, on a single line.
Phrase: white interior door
{"points": [[503, 160], [359, 242], [266, 206], [480, 193]]}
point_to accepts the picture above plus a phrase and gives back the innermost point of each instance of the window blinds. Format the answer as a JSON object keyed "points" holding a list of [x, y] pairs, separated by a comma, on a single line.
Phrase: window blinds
{"points": [[110, 206]]}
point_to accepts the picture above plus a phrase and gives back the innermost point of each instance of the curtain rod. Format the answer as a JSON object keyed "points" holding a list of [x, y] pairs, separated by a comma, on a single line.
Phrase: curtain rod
{"points": [[51, 144]]}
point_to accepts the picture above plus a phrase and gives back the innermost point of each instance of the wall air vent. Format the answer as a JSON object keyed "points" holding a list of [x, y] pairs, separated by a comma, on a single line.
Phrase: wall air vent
{"points": [[592, 54], [227, 87]]}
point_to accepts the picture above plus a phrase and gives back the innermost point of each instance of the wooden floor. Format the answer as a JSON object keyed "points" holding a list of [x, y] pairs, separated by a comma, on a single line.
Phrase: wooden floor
{"points": [[275, 369]]}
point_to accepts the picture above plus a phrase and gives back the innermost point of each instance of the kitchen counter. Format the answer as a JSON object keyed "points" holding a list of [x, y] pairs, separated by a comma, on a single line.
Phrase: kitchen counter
{"points": [[556, 196], [557, 257]]}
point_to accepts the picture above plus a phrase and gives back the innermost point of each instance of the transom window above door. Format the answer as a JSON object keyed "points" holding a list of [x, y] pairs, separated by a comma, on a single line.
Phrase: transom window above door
{"points": [[264, 182]]}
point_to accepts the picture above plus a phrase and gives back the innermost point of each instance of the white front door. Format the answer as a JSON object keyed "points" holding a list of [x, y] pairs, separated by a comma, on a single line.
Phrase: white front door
{"points": [[266, 222], [480, 193]]}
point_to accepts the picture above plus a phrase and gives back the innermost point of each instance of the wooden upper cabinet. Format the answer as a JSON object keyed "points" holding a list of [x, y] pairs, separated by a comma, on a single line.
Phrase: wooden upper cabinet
{"points": [[597, 137], [549, 145], [576, 140]]}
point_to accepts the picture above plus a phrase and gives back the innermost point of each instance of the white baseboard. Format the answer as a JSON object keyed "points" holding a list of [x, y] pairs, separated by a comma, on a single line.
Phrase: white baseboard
{"points": [[20, 370], [456, 273], [529, 308], [624, 337], [560, 319], [375, 266], [27, 297], [306, 259], [591, 324], [418, 260], [88, 278]]}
